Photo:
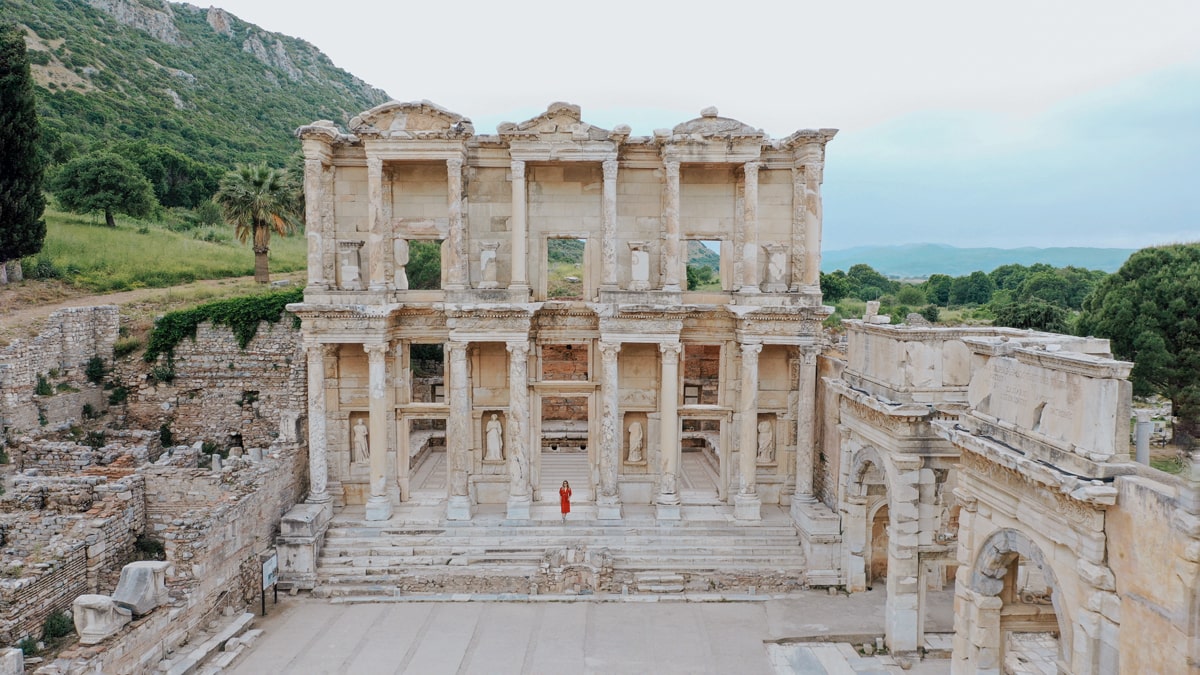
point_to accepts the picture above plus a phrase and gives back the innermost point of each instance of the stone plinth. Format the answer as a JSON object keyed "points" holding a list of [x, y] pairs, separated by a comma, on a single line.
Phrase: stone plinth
{"points": [[143, 586], [459, 508], [518, 509], [821, 539], [301, 534], [747, 507], [97, 617]]}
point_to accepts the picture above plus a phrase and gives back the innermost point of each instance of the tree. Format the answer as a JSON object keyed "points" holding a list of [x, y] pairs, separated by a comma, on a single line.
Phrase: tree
{"points": [[1148, 311], [834, 286], [103, 181], [424, 265], [910, 295], [258, 200], [973, 289], [863, 275], [178, 180], [22, 229], [1050, 287], [937, 289], [1033, 314]]}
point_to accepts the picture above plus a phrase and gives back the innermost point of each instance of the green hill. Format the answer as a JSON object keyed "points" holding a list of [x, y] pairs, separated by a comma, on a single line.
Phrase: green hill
{"points": [[922, 260], [200, 81]]}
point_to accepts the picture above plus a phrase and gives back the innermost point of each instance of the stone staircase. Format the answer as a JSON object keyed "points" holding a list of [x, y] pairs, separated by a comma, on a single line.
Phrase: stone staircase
{"points": [[363, 558]]}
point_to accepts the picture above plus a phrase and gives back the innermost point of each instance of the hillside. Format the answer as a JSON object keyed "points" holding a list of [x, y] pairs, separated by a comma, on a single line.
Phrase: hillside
{"points": [[921, 260], [198, 80]]}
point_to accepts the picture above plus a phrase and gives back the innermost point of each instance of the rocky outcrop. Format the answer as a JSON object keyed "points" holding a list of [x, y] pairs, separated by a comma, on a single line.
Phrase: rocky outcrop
{"points": [[275, 56], [160, 24], [221, 21]]}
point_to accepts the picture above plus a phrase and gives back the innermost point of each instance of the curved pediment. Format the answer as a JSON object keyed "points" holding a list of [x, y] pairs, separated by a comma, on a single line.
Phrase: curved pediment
{"points": [[562, 122], [412, 119], [711, 125]]}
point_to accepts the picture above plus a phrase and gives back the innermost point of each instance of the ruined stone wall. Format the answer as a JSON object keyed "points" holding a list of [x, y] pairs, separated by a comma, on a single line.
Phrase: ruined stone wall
{"points": [[219, 389], [121, 448], [63, 537], [71, 338], [827, 466]]}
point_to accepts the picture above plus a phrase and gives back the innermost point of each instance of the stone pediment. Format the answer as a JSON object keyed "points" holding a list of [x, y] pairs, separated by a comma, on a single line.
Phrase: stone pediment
{"points": [[711, 126], [411, 120], [562, 122]]}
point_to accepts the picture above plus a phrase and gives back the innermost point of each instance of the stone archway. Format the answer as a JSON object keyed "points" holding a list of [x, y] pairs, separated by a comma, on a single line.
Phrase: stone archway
{"points": [[992, 605], [865, 493]]}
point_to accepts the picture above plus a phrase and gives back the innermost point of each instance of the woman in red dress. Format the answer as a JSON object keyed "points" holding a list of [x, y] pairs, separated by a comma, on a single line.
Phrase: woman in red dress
{"points": [[564, 499]]}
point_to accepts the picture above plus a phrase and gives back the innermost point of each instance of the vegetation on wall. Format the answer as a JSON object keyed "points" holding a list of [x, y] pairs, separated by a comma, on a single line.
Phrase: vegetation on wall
{"points": [[242, 315]]}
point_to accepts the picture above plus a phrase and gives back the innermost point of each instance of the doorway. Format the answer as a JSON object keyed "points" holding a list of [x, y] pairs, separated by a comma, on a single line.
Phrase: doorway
{"points": [[565, 449]]}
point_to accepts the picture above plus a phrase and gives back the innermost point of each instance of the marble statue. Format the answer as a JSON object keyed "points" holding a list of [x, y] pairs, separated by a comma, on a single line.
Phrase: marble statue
{"points": [[400, 253], [362, 450], [766, 443], [495, 440], [635, 442]]}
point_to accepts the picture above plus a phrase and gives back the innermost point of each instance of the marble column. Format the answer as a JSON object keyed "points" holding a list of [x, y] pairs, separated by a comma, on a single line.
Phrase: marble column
{"points": [[458, 434], [318, 459], [457, 277], [799, 245], [312, 223], [379, 505], [668, 410], [806, 425], [670, 239], [608, 258], [376, 225], [750, 230], [519, 228], [519, 495], [609, 502], [812, 224], [747, 503], [327, 227]]}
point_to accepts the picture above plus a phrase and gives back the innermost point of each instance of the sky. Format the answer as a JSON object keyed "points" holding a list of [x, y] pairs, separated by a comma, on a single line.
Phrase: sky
{"points": [[1023, 123]]}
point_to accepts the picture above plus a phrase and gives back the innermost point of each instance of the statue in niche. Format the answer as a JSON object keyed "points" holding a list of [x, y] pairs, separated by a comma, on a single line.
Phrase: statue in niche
{"points": [[494, 433], [635, 443], [362, 450], [766, 443], [400, 253]]}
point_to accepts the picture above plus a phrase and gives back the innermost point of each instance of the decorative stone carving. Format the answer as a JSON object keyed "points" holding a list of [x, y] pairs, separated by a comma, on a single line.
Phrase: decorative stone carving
{"points": [[639, 266], [348, 252], [635, 444], [494, 440], [487, 264], [97, 617], [361, 447], [400, 256], [143, 586]]}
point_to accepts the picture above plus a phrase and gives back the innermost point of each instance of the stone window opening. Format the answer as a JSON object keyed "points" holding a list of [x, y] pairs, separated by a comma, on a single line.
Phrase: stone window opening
{"points": [[705, 265], [566, 268], [427, 364], [423, 269]]}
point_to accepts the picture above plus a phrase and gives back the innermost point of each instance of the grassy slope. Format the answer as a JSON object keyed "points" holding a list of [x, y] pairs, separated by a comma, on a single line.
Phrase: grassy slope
{"points": [[137, 254]]}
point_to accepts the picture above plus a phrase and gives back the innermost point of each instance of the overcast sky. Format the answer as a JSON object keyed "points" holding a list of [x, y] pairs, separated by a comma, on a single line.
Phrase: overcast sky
{"points": [[1023, 123]]}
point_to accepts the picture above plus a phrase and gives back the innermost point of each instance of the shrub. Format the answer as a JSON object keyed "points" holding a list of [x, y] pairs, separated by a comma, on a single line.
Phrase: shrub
{"points": [[28, 646], [57, 625], [95, 439], [165, 436], [43, 387], [149, 548], [930, 312], [95, 370], [89, 412], [118, 395], [126, 346]]}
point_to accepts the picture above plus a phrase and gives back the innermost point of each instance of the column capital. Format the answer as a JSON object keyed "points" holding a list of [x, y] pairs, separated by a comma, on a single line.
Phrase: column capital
{"points": [[519, 349], [809, 354], [457, 348], [374, 165], [610, 169], [518, 169], [814, 172], [608, 348], [375, 349], [751, 348], [670, 351], [454, 164], [751, 169]]}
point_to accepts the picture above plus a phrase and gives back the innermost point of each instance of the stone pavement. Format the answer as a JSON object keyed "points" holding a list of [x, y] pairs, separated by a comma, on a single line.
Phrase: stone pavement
{"points": [[559, 634]]}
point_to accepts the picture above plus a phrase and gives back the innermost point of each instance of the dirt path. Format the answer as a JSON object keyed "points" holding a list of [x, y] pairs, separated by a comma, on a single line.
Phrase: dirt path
{"points": [[24, 306]]}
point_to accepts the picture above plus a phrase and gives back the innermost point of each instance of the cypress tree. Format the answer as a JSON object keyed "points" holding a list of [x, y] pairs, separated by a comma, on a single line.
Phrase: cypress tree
{"points": [[22, 229]]}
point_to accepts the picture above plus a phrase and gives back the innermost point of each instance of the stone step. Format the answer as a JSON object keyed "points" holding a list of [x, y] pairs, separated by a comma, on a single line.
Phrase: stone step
{"points": [[379, 548]]}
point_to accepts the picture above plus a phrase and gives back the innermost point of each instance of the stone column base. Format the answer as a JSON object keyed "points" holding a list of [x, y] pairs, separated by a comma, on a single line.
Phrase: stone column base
{"points": [[608, 508], [821, 539], [747, 507], [518, 508], [459, 508], [667, 512], [378, 508]]}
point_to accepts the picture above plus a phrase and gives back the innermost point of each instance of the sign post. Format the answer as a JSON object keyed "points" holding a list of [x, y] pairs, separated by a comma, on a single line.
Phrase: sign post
{"points": [[270, 577]]}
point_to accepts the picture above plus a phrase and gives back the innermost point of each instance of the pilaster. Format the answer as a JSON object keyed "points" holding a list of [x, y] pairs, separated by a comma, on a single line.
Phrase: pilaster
{"points": [[750, 230], [457, 277], [813, 175], [313, 232], [376, 279], [806, 424], [318, 460], [379, 506]]}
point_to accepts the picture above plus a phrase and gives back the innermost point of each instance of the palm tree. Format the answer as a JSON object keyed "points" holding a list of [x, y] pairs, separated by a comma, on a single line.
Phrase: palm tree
{"points": [[257, 200]]}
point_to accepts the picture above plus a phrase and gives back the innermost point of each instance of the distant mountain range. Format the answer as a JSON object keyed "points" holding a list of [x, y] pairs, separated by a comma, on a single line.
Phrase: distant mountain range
{"points": [[922, 260]]}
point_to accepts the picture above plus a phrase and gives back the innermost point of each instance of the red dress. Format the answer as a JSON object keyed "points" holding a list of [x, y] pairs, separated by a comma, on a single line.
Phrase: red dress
{"points": [[564, 498]]}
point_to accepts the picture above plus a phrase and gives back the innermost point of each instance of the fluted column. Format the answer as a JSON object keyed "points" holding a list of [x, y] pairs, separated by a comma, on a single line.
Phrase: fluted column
{"points": [[519, 493], [747, 503], [609, 501], [376, 225], [519, 228], [670, 241], [813, 175], [750, 230], [668, 410], [318, 459], [379, 506], [313, 168], [457, 277], [608, 262], [458, 433], [806, 424]]}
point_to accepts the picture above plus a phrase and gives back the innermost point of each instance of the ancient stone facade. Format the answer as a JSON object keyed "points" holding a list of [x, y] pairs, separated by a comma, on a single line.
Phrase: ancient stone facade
{"points": [[732, 368]]}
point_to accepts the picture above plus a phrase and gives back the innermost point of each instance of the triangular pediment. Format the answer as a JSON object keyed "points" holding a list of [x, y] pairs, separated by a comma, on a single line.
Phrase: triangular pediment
{"points": [[412, 119]]}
